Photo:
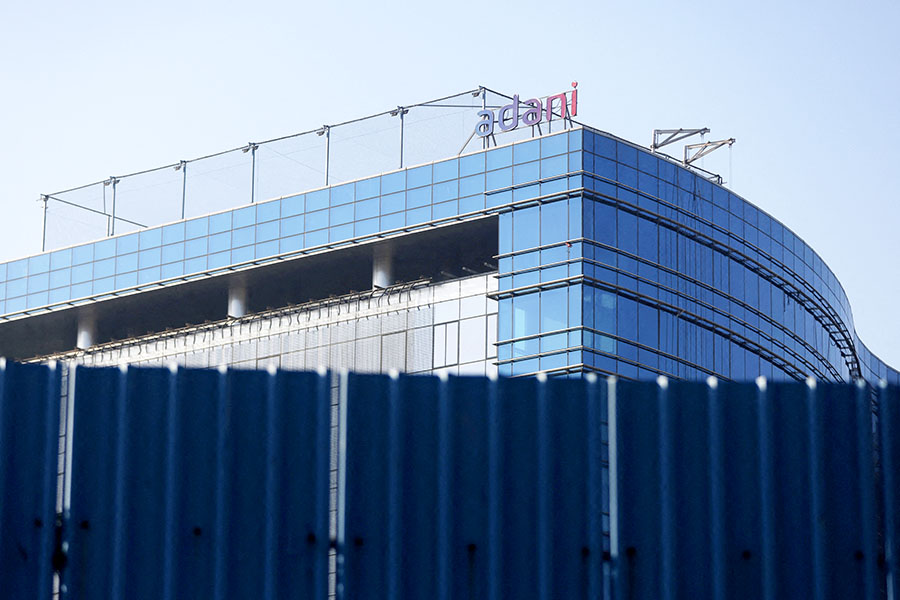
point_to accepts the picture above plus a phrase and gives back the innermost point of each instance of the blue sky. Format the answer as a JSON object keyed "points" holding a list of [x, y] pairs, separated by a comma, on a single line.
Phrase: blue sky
{"points": [[809, 90]]}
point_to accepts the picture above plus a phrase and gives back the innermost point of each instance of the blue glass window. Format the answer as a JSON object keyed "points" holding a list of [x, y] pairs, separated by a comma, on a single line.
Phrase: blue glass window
{"points": [[60, 259], [553, 309], [172, 270], [471, 204], [445, 191], [317, 200], [149, 258], [554, 222], [367, 208], [194, 248], [243, 217], [342, 232], [604, 146], [17, 287], [365, 227], [419, 215], [35, 264], [647, 239], [393, 203], [527, 151], [293, 205], [526, 228], [126, 263], [267, 249], [648, 163], [220, 222], [292, 225], [218, 260], [268, 211], [418, 177], [626, 318], [525, 173], [125, 281], [317, 220], [104, 268], [37, 283], [575, 161], [626, 154], [553, 187], [551, 167], [240, 255], [195, 265], [368, 188], [82, 254], [173, 233], [506, 233], [196, 228], [291, 244], [418, 198], [317, 238], [446, 170], [149, 275], [217, 243], [575, 218], [393, 221], [499, 158], [104, 249], [526, 311], [173, 252], [626, 231], [627, 175], [242, 237], [342, 194], [82, 273], [445, 210], [471, 185], [59, 278], [393, 182], [472, 164], [150, 238], [126, 244], [40, 299], [499, 179], [266, 231], [15, 305], [553, 145]]}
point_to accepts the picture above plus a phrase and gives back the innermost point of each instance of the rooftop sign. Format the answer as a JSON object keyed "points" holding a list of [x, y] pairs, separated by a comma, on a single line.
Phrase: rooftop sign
{"points": [[510, 115]]}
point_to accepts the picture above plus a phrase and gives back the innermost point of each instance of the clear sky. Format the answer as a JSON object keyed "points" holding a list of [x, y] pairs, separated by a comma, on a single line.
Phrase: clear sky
{"points": [[809, 90]]}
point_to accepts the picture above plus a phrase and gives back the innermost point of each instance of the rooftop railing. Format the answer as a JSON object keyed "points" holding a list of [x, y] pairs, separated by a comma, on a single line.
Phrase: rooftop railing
{"points": [[330, 154]]}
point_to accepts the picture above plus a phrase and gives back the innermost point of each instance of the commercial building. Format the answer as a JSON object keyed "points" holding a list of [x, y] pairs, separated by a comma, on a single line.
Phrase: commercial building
{"points": [[565, 250]]}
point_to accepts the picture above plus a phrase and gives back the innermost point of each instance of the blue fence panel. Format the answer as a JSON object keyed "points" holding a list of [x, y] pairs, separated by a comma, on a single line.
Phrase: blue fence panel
{"points": [[728, 489], [29, 443], [470, 487], [193, 483], [889, 429], [198, 483]]}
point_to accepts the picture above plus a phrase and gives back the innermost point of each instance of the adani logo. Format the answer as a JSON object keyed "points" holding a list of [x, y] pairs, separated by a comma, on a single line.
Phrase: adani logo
{"points": [[508, 117]]}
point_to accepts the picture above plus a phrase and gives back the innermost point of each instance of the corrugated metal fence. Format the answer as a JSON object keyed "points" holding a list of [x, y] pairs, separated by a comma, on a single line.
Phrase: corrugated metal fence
{"points": [[208, 484]]}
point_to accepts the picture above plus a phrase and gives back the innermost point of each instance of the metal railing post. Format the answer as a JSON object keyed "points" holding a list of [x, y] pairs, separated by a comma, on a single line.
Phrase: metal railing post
{"points": [[112, 223], [44, 199], [401, 137], [253, 148], [182, 166]]}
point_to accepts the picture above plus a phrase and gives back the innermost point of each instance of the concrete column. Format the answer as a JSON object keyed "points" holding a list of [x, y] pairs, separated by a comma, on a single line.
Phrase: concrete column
{"points": [[237, 299], [87, 332], [382, 266]]}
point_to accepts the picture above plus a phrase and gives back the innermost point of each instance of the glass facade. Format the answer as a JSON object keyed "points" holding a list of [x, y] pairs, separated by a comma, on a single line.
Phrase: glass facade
{"points": [[611, 259], [449, 327]]}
